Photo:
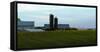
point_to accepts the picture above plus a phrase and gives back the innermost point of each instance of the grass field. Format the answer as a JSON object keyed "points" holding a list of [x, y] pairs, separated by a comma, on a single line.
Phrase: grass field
{"points": [[56, 38]]}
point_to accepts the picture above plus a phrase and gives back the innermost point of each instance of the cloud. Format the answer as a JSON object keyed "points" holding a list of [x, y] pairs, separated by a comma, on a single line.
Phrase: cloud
{"points": [[75, 16], [41, 20]]}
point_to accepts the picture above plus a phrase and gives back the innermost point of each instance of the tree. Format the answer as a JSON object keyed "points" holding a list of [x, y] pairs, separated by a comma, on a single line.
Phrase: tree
{"points": [[18, 19]]}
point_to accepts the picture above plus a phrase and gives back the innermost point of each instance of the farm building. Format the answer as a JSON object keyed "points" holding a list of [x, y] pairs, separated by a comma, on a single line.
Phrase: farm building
{"points": [[60, 26], [25, 24]]}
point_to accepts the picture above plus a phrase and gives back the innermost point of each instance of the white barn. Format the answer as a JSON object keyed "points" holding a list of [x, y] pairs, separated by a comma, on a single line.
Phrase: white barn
{"points": [[25, 24]]}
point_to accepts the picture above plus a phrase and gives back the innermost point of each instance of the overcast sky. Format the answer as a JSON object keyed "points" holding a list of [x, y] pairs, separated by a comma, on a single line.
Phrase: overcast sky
{"points": [[79, 17]]}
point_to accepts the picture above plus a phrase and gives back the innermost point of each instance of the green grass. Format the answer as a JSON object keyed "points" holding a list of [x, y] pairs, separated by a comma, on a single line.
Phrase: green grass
{"points": [[56, 38]]}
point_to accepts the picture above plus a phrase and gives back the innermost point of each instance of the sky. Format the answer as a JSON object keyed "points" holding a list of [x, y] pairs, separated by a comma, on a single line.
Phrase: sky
{"points": [[78, 17]]}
